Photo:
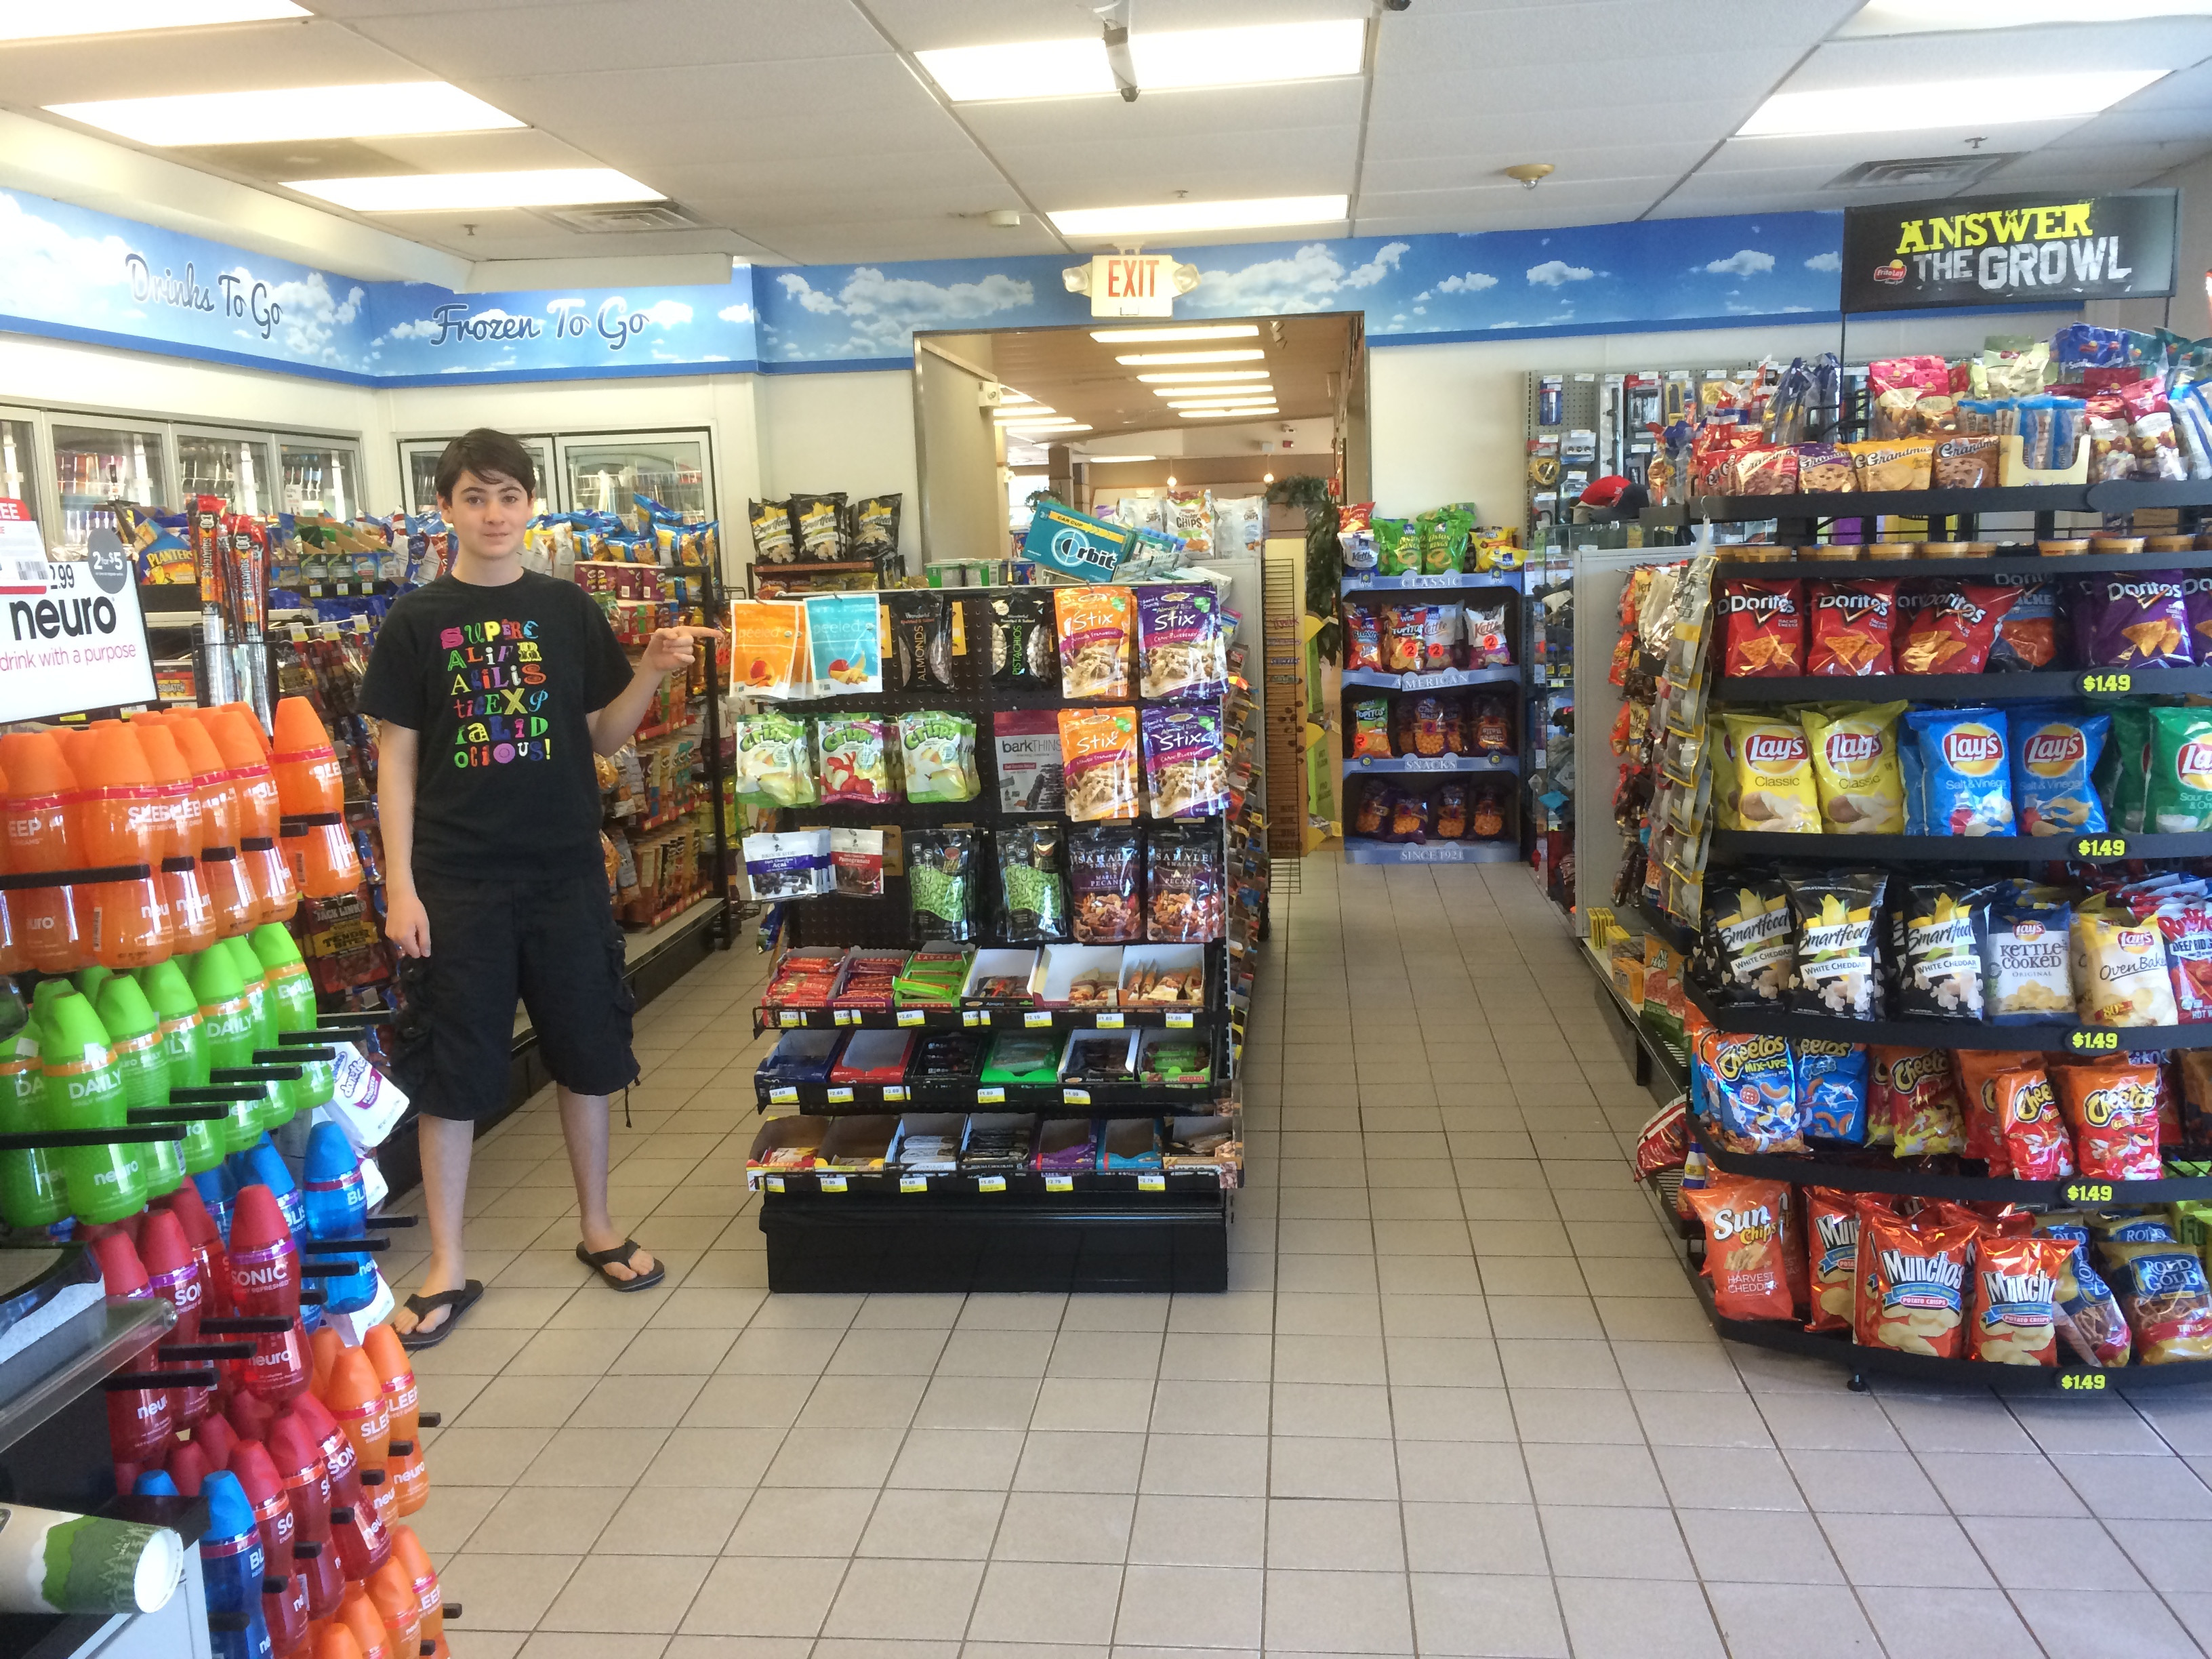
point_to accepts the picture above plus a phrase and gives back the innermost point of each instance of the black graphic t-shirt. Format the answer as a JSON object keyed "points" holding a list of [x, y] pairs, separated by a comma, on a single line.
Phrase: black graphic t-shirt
{"points": [[496, 682]]}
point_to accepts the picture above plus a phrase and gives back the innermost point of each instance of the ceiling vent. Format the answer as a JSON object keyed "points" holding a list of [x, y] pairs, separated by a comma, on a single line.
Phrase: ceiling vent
{"points": [[1923, 172], [617, 218]]}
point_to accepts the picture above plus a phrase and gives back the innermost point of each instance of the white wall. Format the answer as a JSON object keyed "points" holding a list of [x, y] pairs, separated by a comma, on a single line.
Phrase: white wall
{"points": [[850, 432], [1449, 421], [49, 374]]}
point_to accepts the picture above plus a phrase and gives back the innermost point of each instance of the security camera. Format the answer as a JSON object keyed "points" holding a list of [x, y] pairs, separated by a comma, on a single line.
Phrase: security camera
{"points": [[1397, 5]]}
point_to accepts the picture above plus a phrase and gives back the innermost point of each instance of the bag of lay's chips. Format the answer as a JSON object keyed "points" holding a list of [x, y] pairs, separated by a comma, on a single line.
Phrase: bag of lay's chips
{"points": [[2123, 775], [2094, 1327], [1754, 1093], [1966, 770], [1855, 772], [2054, 750], [1745, 1254], [1831, 1089], [2026, 973], [2177, 797], [1774, 775], [2121, 975]]}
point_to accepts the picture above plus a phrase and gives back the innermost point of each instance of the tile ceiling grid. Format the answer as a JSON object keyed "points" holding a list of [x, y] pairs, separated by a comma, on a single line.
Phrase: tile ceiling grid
{"points": [[800, 131]]}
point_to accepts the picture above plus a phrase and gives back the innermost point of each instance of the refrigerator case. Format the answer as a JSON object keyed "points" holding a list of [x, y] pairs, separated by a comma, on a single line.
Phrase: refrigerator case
{"points": [[606, 472], [94, 467], [418, 464], [313, 476], [19, 479], [233, 466]]}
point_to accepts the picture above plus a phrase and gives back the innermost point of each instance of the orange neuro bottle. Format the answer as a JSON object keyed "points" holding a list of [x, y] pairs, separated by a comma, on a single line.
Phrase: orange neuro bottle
{"points": [[130, 925], [184, 888], [41, 828]]}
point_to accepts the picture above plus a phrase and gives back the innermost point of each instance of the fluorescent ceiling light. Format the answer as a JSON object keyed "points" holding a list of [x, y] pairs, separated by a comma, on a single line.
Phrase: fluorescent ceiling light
{"points": [[1212, 331], [1932, 17], [1108, 460], [1200, 376], [290, 114], [1045, 432], [1177, 218], [1165, 62], [42, 20], [1029, 411], [1227, 414], [1985, 101], [1198, 394], [1222, 402], [1151, 359], [1008, 395], [464, 192]]}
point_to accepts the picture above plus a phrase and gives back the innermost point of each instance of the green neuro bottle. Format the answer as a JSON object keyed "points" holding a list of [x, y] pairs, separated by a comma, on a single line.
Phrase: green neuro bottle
{"points": [[31, 1191], [83, 1089], [134, 1032], [253, 978], [170, 995], [292, 1002], [227, 1027]]}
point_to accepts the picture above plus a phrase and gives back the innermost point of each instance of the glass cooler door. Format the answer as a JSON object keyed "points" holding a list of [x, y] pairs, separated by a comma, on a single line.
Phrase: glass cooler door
{"points": [[606, 472], [96, 466], [418, 464], [317, 477], [233, 466]]}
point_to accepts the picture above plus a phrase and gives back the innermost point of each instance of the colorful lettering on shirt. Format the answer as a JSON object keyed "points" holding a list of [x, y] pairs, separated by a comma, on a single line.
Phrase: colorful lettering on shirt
{"points": [[495, 677]]}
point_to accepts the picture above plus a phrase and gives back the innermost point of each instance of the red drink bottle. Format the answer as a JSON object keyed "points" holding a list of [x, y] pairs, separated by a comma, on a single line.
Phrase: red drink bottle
{"points": [[265, 1283], [139, 1427], [299, 1462], [173, 1266]]}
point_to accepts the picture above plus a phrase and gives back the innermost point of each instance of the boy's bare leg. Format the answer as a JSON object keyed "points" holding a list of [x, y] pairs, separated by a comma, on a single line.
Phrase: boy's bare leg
{"points": [[446, 1146], [584, 1127]]}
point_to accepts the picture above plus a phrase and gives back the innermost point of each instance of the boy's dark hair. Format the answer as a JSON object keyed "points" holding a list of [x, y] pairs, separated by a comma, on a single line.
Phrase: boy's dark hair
{"points": [[489, 454]]}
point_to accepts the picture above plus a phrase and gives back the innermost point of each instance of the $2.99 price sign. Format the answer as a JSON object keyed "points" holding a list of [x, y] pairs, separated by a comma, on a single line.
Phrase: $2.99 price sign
{"points": [[71, 634]]}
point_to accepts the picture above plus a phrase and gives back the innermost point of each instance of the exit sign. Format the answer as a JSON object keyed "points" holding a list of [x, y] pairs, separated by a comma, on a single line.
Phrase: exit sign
{"points": [[1133, 285]]}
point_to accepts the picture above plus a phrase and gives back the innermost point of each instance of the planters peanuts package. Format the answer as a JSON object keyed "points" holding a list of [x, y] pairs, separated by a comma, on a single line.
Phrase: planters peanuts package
{"points": [[1075, 544], [1965, 771], [2054, 750]]}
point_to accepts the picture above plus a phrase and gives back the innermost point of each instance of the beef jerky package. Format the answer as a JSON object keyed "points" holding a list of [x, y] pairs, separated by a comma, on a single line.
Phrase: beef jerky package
{"points": [[920, 657]]}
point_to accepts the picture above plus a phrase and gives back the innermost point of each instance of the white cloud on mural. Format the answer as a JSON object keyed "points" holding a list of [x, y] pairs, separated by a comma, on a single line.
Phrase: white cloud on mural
{"points": [[421, 329], [1308, 279], [736, 313], [315, 317], [51, 270], [885, 311], [1744, 262], [1473, 282], [1825, 262], [1384, 262], [668, 314], [1555, 273]]}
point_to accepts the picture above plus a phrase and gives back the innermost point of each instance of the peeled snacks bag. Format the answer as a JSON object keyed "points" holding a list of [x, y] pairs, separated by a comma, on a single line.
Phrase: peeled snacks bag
{"points": [[1094, 641], [2178, 795], [2054, 751], [844, 633], [1855, 769], [2016, 1285], [1745, 1259], [937, 751], [1098, 763], [1184, 896], [854, 754], [769, 654], [1912, 1283], [1032, 892], [774, 760], [1102, 872], [940, 872]]}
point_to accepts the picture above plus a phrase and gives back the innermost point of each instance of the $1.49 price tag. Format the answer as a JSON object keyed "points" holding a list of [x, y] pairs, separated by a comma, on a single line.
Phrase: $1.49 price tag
{"points": [[2092, 1040]]}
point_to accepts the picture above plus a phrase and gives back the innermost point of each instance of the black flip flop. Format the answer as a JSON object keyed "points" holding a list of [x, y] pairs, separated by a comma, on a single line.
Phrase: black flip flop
{"points": [[600, 1261], [458, 1302]]}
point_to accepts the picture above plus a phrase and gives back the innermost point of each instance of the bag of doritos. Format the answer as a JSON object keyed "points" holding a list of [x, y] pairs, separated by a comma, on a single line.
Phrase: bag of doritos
{"points": [[1744, 1248], [1855, 775], [2112, 1110], [1912, 1091], [1831, 1089], [2131, 619], [1966, 773], [2016, 1285], [1763, 628], [1952, 634], [2094, 1327], [2035, 1142], [1851, 625], [1910, 1286], [2054, 751], [1831, 1241]]}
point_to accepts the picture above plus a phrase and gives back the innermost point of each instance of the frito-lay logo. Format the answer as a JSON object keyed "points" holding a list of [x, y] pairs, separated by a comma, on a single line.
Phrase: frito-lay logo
{"points": [[1773, 748], [2052, 751], [1735, 1058], [1752, 1224], [1847, 750], [2028, 931], [1973, 748]]}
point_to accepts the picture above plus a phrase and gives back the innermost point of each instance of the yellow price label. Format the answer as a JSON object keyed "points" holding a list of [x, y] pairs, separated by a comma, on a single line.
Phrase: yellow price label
{"points": [[1152, 1183], [1035, 1018], [2093, 1043], [2106, 684], [833, 1183], [1075, 1097], [1059, 1183], [974, 1016], [790, 1017], [844, 1016], [990, 1183], [2081, 1382], [910, 1015], [775, 1183], [914, 1183], [894, 1091], [1181, 1021], [840, 1095], [991, 1096], [1109, 1022], [783, 1096], [2101, 847], [2087, 1192]]}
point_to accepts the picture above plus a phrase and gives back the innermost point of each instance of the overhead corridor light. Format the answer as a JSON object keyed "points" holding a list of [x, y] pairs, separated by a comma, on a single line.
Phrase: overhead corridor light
{"points": [[469, 193], [1200, 376], [1175, 60], [1008, 395], [1049, 432], [1027, 412], [1242, 394], [1179, 218], [1228, 414], [1109, 460], [1161, 359], [1985, 101], [1209, 332], [290, 114], [1221, 403], [43, 20]]}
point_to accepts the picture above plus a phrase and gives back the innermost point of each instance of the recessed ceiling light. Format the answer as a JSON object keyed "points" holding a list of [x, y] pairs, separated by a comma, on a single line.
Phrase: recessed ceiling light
{"points": [[464, 192], [1151, 359], [1986, 101], [1222, 402], [287, 115], [1202, 394], [42, 20], [1177, 218], [1029, 411], [1198, 376], [1227, 414], [1258, 55], [1008, 395], [1930, 17], [1210, 332], [1047, 432], [1108, 460]]}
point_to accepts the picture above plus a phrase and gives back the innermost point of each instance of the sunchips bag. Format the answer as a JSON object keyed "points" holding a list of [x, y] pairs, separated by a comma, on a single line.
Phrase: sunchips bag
{"points": [[2177, 800], [2016, 1285], [1855, 773], [1912, 1283], [2054, 751], [1744, 1248], [1774, 775]]}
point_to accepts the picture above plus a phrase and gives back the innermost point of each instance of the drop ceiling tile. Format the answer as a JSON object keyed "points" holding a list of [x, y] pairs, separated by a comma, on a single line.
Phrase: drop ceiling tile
{"points": [[1510, 207], [1736, 87], [823, 177], [1840, 152], [1474, 168], [1558, 41], [926, 25], [1605, 131], [249, 58], [2105, 166], [1314, 162], [755, 208], [1229, 114], [479, 152], [464, 41], [1993, 54], [2180, 128], [2188, 88], [894, 241]]}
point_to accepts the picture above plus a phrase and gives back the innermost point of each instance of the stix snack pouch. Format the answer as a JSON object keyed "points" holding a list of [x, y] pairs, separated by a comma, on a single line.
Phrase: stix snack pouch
{"points": [[1094, 626], [1098, 763]]}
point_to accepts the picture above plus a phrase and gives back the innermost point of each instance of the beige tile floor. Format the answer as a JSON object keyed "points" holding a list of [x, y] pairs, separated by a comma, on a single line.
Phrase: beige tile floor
{"points": [[1458, 1399]]}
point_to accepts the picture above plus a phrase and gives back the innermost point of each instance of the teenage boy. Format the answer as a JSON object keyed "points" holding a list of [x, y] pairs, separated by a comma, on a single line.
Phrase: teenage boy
{"points": [[493, 687]]}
